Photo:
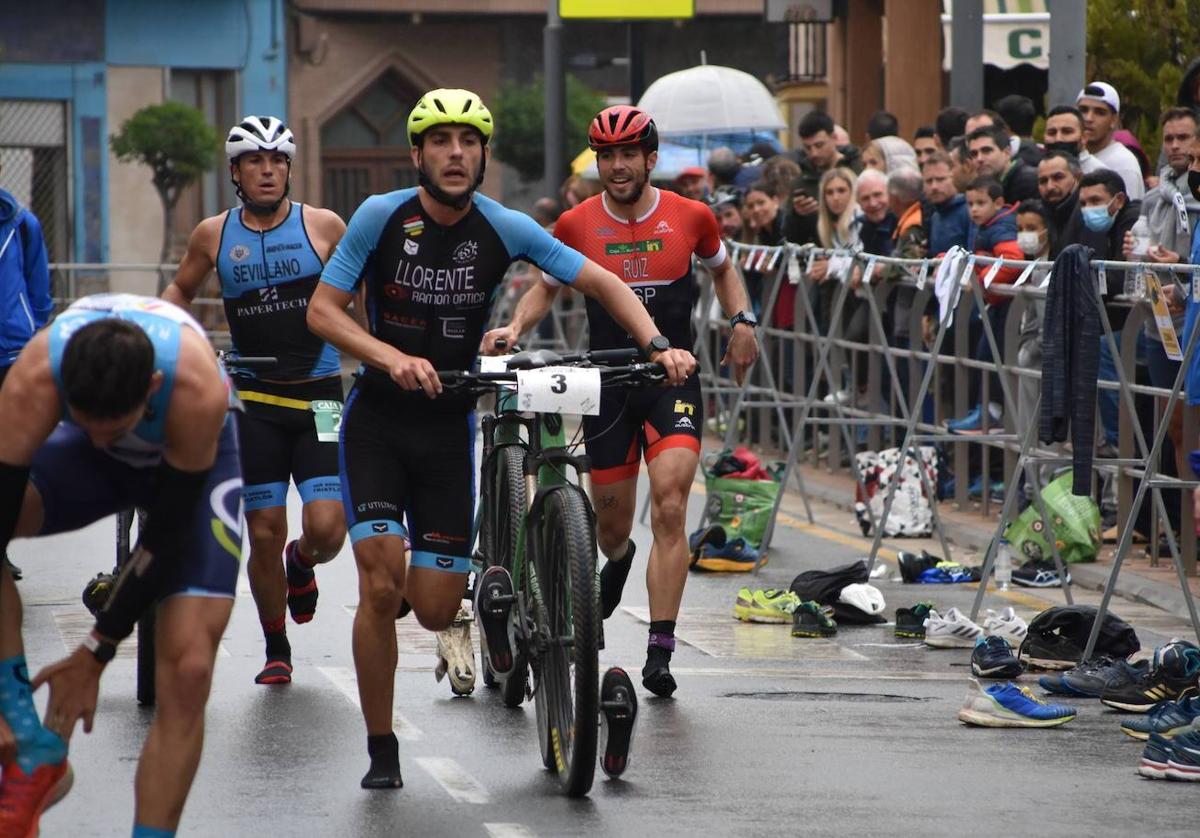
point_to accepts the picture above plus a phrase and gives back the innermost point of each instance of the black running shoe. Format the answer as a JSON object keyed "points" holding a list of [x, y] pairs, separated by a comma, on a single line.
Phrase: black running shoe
{"points": [[810, 620], [277, 671], [910, 622], [97, 592], [912, 565], [1050, 651], [493, 605], [993, 658], [656, 674], [1091, 683], [1172, 676], [618, 705], [1038, 573]]}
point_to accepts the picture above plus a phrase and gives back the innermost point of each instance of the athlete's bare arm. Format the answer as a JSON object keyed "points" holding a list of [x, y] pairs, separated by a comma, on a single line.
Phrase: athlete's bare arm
{"points": [[197, 263], [199, 402], [325, 229], [29, 403], [742, 351], [532, 307]]}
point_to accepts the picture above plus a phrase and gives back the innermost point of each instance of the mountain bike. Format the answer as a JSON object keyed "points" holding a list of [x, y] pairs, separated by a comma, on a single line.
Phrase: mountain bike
{"points": [[98, 590], [536, 520]]}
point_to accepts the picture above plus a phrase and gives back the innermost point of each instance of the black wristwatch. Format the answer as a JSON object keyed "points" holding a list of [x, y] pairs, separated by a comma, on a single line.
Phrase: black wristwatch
{"points": [[101, 650], [746, 317], [658, 343]]}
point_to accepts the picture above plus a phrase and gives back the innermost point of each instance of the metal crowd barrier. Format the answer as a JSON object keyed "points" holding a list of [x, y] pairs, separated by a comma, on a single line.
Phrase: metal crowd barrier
{"points": [[806, 349]]}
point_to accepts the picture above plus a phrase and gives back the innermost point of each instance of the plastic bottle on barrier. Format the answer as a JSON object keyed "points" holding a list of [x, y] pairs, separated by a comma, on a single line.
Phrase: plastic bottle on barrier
{"points": [[1141, 237], [1003, 568]]}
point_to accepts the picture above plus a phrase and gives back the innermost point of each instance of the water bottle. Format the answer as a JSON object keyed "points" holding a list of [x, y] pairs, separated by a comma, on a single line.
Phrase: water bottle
{"points": [[1003, 568], [1141, 237]]}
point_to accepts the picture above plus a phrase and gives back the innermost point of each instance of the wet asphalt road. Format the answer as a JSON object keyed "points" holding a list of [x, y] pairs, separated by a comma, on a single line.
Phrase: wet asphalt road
{"points": [[768, 734]]}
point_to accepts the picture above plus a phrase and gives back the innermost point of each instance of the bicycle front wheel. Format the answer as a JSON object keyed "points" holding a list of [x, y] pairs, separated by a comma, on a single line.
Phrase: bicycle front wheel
{"points": [[568, 692]]}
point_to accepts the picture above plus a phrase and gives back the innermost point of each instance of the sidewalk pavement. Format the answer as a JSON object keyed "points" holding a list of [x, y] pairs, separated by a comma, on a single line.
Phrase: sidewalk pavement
{"points": [[969, 533]]}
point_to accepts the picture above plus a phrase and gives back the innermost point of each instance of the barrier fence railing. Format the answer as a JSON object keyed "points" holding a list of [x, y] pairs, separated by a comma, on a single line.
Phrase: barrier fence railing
{"points": [[955, 274]]}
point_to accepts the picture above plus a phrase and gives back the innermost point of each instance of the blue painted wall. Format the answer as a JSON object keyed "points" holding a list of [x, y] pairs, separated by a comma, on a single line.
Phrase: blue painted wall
{"points": [[242, 35]]}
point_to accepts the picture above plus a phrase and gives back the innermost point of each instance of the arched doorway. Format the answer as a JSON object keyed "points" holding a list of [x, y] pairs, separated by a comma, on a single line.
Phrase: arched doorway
{"points": [[364, 147]]}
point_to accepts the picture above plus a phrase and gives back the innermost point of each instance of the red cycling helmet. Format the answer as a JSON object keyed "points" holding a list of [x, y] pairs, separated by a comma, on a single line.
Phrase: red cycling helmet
{"points": [[623, 125]]}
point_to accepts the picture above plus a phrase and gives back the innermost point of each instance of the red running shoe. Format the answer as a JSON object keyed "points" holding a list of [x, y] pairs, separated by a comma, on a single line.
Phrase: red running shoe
{"points": [[24, 797]]}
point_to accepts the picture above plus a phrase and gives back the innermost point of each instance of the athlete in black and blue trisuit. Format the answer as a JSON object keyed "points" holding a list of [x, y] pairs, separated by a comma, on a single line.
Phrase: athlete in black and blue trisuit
{"points": [[431, 260], [268, 254], [120, 402]]}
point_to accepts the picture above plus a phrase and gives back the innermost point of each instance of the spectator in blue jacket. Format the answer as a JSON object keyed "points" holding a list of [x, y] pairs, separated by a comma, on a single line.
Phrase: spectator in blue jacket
{"points": [[24, 286], [947, 220], [24, 279]]}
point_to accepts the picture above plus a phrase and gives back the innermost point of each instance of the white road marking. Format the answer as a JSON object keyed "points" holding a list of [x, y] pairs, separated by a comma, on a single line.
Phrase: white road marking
{"points": [[345, 680], [454, 779], [509, 830]]}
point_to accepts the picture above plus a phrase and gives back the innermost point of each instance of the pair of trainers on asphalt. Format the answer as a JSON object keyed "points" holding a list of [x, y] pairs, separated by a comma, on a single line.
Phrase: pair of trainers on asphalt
{"points": [[955, 630], [1172, 674], [772, 605], [1172, 734]]}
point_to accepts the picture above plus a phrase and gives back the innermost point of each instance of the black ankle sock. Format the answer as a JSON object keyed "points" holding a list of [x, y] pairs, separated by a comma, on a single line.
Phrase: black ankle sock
{"points": [[612, 580], [278, 647], [661, 643], [383, 745]]}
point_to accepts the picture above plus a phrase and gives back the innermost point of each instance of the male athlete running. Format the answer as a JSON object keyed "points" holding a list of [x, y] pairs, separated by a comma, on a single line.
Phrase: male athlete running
{"points": [[432, 260], [647, 236], [268, 254]]}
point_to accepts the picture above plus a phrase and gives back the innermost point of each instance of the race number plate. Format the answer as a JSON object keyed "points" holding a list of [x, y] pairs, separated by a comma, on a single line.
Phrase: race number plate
{"points": [[559, 390], [328, 418], [494, 363]]}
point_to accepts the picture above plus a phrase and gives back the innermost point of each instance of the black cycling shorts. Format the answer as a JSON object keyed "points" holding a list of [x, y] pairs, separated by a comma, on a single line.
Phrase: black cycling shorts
{"points": [[278, 434], [644, 421], [399, 461]]}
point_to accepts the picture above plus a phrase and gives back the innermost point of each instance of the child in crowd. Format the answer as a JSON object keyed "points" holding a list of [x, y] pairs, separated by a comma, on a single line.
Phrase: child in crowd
{"points": [[993, 232]]}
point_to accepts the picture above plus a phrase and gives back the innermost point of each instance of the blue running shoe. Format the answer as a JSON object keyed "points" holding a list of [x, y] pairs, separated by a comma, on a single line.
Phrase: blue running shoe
{"points": [[1183, 760], [1156, 758], [1168, 719], [993, 658], [734, 556], [973, 421], [1008, 705]]}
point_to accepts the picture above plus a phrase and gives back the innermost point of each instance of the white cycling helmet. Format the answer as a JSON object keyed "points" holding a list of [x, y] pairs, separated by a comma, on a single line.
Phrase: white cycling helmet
{"points": [[259, 133], [866, 598]]}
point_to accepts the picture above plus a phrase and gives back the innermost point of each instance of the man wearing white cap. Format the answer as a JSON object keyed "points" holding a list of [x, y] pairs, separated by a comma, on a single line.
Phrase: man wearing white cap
{"points": [[1100, 105]]}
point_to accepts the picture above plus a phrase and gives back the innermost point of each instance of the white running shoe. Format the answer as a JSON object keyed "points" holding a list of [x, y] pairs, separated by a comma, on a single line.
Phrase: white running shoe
{"points": [[953, 631], [1006, 624], [456, 656]]}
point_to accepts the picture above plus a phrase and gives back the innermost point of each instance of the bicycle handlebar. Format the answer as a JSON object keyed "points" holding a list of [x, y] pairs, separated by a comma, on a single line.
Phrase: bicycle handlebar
{"points": [[246, 361]]}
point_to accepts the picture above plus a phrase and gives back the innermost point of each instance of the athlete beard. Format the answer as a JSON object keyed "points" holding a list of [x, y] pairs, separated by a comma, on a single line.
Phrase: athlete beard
{"points": [[639, 186]]}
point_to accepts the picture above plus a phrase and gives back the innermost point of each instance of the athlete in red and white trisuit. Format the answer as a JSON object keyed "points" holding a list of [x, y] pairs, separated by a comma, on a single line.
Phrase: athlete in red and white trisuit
{"points": [[647, 237]]}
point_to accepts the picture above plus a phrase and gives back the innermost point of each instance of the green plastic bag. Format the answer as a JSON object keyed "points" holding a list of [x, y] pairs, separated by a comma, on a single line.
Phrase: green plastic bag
{"points": [[1076, 522], [742, 507]]}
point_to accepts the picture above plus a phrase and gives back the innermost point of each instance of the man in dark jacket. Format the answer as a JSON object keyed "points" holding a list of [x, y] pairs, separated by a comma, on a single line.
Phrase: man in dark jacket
{"points": [[1107, 214], [1058, 187], [820, 154], [947, 220], [990, 151]]}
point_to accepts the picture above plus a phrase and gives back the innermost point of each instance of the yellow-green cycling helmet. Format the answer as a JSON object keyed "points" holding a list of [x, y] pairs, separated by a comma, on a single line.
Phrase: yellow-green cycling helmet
{"points": [[446, 106]]}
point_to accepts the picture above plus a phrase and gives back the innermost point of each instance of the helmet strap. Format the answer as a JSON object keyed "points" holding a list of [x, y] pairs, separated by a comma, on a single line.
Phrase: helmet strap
{"points": [[262, 210], [455, 202]]}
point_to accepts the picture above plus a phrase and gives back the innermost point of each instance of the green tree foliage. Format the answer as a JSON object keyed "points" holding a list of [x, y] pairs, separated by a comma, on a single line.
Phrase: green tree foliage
{"points": [[519, 115], [178, 145], [1142, 47]]}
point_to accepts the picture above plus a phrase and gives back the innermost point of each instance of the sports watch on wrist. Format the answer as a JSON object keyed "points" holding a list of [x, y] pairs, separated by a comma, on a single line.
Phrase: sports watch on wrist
{"points": [[658, 343], [744, 316], [101, 650]]}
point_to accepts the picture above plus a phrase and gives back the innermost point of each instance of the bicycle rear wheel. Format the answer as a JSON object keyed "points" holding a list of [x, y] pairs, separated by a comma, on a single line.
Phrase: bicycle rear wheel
{"points": [[502, 526], [568, 693]]}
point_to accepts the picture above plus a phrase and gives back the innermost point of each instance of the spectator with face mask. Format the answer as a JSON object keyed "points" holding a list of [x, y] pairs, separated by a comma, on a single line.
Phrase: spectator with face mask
{"points": [[1035, 239], [1064, 132], [1100, 105]]}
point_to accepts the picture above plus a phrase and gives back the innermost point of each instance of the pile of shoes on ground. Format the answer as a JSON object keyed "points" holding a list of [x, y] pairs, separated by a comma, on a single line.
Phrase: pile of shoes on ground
{"points": [[816, 602]]}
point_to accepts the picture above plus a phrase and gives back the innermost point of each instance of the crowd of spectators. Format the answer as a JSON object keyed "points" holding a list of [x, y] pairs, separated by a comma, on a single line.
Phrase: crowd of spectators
{"points": [[984, 182]]}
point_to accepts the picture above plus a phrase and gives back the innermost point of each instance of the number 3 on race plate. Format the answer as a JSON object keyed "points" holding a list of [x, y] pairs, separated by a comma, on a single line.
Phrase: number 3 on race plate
{"points": [[559, 390]]}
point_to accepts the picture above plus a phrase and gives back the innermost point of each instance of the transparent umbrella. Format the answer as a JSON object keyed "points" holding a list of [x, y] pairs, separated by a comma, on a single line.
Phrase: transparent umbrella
{"points": [[710, 99]]}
